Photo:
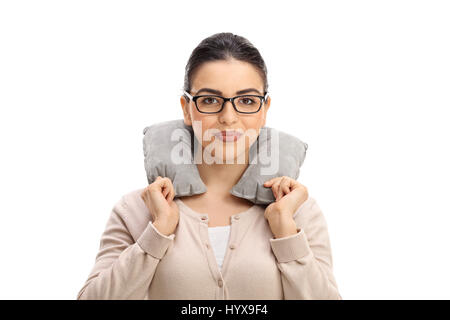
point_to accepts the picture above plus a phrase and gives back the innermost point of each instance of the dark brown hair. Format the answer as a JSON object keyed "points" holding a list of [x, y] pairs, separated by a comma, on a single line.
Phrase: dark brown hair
{"points": [[222, 46]]}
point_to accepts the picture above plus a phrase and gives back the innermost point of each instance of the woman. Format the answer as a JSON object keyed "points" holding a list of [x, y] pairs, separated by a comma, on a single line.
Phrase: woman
{"points": [[215, 245]]}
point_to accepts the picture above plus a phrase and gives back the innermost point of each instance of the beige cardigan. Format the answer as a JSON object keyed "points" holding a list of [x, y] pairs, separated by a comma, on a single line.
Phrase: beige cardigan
{"points": [[135, 261]]}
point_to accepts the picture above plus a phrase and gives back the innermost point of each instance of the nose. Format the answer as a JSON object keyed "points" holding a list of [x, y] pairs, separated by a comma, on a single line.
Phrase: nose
{"points": [[228, 114]]}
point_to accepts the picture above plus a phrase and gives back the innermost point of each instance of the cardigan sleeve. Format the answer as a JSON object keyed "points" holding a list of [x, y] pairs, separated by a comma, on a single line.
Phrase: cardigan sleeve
{"points": [[123, 268], [304, 259]]}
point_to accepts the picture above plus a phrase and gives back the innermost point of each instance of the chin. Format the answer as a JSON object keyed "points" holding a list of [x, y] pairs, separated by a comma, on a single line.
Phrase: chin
{"points": [[235, 159], [224, 153]]}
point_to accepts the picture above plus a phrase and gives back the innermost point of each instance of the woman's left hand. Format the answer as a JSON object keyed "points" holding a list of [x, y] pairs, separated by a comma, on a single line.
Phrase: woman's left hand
{"points": [[289, 195]]}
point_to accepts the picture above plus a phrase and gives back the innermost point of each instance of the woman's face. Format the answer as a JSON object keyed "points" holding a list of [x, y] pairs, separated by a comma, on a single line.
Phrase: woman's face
{"points": [[227, 78]]}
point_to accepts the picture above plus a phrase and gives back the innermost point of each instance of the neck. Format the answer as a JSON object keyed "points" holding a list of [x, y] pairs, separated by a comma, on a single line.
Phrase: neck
{"points": [[218, 178]]}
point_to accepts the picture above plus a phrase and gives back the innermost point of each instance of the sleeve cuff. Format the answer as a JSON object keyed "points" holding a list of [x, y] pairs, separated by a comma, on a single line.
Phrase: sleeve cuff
{"points": [[290, 248], [153, 242]]}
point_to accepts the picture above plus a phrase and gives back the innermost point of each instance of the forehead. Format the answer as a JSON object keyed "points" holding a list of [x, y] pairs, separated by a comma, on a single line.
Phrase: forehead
{"points": [[227, 76]]}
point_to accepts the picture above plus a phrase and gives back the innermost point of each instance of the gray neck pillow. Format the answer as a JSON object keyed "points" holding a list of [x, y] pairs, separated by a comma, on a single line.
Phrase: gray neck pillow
{"points": [[170, 146]]}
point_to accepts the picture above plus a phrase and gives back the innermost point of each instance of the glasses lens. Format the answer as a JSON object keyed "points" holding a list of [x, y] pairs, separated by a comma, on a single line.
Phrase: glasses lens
{"points": [[209, 103], [247, 103]]}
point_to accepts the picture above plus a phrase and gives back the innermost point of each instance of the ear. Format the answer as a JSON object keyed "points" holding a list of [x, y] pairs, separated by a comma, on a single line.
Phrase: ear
{"points": [[186, 114], [265, 109]]}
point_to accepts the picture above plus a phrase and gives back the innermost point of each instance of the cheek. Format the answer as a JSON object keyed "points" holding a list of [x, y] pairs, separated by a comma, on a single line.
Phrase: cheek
{"points": [[204, 123], [254, 123]]}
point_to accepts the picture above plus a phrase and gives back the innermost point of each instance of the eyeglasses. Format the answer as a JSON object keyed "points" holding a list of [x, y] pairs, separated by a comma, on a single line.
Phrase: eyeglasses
{"points": [[247, 104]]}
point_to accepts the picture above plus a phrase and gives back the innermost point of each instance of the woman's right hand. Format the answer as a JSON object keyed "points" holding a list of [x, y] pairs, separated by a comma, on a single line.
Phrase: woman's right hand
{"points": [[158, 197]]}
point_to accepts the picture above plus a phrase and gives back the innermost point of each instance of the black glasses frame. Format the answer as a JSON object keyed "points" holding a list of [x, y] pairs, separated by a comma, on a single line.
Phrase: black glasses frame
{"points": [[262, 99]]}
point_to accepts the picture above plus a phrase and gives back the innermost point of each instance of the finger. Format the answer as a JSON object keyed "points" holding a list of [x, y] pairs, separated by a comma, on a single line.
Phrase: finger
{"points": [[169, 190], [164, 182], [294, 184], [268, 183], [171, 194], [158, 185], [285, 186], [275, 188], [280, 190], [165, 191]]}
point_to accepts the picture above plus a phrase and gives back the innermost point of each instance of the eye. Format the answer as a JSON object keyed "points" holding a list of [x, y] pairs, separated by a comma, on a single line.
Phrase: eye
{"points": [[209, 100], [247, 101]]}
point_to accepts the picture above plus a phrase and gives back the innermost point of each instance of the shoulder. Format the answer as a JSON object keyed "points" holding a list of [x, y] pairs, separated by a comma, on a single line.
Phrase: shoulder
{"points": [[309, 214], [133, 212], [132, 200]]}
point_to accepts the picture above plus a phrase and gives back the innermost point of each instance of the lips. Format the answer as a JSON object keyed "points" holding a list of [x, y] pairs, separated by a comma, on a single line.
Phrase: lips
{"points": [[228, 135]]}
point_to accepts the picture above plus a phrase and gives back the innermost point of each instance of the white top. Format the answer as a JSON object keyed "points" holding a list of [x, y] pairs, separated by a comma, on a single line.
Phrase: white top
{"points": [[218, 237]]}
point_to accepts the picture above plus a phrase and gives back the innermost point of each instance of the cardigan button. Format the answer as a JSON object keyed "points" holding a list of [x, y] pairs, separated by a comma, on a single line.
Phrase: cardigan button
{"points": [[220, 283], [204, 218], [236, 218], [232, 246], [207, 245]]}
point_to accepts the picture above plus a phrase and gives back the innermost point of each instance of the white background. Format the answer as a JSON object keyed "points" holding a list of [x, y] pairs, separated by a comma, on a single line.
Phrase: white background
{"points": [[364, 83]]}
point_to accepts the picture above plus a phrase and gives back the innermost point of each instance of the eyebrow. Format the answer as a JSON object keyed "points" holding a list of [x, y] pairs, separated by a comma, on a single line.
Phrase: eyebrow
{"points": [[220, 92]]}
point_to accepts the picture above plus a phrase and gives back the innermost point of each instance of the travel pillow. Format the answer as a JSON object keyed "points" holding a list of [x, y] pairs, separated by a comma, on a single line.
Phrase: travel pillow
{"points": [[169, 151]]}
